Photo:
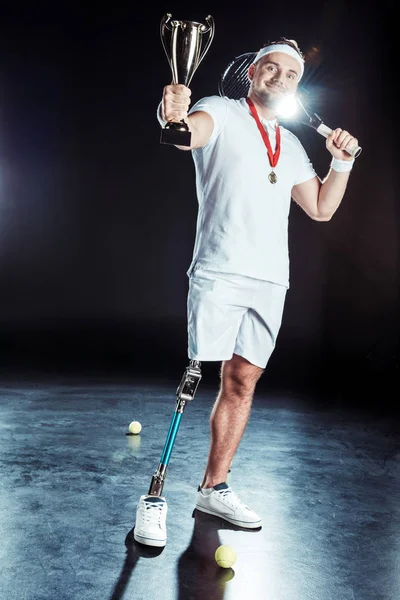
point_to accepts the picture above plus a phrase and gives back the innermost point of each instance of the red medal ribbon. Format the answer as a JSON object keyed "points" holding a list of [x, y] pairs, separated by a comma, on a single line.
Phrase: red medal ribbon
{"points": [[273, 157]]}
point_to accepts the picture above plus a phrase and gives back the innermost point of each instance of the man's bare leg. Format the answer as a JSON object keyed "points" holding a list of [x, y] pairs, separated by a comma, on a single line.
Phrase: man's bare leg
{"points": [[229, 416]]}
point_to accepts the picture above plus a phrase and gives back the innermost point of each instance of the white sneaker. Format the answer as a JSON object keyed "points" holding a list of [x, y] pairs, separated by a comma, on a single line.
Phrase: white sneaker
{"points": [[151, 515], [222, 501]]}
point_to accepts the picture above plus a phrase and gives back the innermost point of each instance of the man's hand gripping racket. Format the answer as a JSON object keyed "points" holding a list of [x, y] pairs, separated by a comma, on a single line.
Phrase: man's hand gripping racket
{"points": [[234, 83]]}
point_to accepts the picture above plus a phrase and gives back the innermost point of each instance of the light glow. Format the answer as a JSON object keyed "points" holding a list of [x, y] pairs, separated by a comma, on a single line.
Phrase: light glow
{"points": [[288, 107]]}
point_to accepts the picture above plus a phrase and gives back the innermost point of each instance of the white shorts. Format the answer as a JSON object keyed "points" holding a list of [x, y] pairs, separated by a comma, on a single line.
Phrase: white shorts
{"points": [[232, 314]]}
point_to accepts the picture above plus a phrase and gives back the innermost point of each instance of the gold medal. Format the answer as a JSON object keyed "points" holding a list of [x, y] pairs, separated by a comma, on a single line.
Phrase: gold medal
{"points": [[273, 156], [272, 177]]}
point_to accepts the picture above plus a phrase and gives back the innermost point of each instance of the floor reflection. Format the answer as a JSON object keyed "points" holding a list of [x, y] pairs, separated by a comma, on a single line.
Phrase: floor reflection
{"points": [[134, 551], [199, 576]]}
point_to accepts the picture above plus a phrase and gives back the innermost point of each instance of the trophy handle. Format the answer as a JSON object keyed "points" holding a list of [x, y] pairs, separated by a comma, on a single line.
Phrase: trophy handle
{"points": [[163, 26], [211, 30]]}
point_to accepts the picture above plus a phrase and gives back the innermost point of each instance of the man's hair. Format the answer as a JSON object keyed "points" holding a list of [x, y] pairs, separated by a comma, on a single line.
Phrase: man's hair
{"points": [[292, 43]]}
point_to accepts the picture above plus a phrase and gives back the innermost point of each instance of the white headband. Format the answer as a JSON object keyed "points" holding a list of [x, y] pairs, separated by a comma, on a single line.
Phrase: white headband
{"points": [[286, 50]]}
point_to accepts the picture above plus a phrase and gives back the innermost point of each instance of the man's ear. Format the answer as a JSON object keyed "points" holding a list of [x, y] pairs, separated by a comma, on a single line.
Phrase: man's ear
{"points": [[250, 72]]}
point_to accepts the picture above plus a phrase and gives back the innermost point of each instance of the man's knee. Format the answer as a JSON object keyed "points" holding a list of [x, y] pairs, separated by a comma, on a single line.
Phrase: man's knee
{"points": [[240, 374]]}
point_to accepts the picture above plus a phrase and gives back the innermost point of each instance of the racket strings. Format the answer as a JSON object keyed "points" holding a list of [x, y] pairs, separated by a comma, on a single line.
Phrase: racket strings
{"points": [[234, 81]]}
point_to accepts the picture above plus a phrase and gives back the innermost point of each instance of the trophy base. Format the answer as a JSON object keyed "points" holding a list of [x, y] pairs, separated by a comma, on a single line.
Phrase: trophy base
{"points": [[176, 134]]}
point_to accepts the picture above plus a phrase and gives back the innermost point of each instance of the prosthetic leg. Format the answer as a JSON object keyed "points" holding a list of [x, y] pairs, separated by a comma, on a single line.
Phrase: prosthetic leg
{"points": [[185, 392]]}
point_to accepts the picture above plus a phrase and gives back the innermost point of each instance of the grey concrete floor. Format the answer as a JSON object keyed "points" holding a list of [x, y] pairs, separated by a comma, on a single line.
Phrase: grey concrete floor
{"points": [[324, 478]]}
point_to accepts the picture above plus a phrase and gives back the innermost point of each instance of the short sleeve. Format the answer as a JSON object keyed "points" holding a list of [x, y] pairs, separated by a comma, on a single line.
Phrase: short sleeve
{"points": [[305, 169], [217, 108]]}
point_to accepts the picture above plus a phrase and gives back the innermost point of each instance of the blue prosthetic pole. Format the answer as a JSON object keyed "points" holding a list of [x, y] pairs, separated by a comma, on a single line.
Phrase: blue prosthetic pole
{"points": [[185, 392]]}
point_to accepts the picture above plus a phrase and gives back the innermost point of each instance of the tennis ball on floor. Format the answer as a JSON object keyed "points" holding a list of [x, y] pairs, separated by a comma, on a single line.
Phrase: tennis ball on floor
{"points": [[225, 556], [135, 427]]}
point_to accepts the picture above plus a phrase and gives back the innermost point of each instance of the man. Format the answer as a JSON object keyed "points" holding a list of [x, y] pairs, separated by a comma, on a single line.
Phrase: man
{"points": [[248, 168]]}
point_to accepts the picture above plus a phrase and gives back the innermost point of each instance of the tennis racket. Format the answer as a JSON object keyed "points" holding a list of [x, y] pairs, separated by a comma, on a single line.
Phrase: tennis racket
{"points": [[234, 83]]}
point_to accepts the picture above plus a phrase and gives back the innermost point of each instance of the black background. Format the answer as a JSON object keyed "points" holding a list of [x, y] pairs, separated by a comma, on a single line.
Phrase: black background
{"points": [[97, 218]]}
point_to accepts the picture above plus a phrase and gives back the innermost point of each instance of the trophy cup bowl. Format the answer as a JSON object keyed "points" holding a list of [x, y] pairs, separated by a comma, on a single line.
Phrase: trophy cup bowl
{"points": [[185, 45]]}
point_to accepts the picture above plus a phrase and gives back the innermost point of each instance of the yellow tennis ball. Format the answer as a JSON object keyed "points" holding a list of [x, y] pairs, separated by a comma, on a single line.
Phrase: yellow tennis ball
{"points": [[135, 427], [225, 556]]}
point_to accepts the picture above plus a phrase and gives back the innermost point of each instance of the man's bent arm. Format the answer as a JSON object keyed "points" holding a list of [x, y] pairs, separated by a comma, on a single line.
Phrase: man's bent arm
{"points": [[201, 126], [320, 200]]}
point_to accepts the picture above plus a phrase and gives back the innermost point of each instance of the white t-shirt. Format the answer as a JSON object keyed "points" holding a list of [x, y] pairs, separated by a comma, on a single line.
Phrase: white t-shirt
{"points": [[242, 222]]}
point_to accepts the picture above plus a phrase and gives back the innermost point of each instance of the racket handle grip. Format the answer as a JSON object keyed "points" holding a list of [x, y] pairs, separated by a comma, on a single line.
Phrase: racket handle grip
{"points": [[325, 131]]}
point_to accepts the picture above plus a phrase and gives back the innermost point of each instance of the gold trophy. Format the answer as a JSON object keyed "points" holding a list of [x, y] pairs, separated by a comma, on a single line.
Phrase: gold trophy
{"points": [[185, 51]]}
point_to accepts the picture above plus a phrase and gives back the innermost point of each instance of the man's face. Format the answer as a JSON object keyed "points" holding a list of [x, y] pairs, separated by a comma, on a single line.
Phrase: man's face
{"points": [[273, 77]]}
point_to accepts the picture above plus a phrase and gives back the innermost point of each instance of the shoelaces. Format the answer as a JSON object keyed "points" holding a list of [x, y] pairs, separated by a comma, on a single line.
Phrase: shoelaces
{"points": [[231, 498], [153, 512]]}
